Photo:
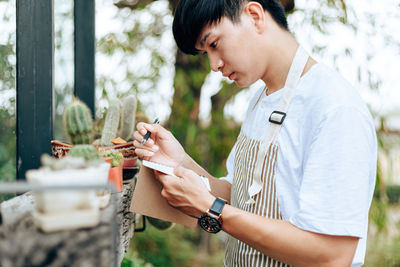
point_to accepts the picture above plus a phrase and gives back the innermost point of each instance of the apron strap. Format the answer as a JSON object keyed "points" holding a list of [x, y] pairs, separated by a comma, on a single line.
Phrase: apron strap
{"points": [[276, 119]]}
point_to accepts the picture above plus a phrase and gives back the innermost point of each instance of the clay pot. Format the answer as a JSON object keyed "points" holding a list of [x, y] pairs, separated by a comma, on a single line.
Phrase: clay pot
{"points": [[115, 175], [127, 149], [130, 162], [59, 149]]}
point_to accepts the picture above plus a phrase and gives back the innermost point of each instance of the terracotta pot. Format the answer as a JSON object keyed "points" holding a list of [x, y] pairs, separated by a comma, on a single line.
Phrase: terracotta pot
{"points": [[127, 149], [115, 177], [108, 159], [115, 174], [59, 149], [130, 162]]}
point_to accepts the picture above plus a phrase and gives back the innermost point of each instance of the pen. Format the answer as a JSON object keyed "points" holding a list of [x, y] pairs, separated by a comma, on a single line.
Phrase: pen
{"points": [[147, 135]]}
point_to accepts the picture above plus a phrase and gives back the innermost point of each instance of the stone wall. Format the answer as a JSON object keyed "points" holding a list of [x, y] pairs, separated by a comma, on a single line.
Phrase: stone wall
{"points": [[22, 244]]}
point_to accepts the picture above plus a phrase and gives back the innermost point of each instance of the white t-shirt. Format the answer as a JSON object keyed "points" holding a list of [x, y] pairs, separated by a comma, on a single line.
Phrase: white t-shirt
{"points": [[326, 162]]}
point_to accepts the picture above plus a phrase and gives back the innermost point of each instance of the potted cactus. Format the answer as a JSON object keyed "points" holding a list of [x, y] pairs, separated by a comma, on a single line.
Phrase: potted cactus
{"points": [[69, 209], [118, 125], [78, 125], [120, 113], [116, 160], [115, 133]]}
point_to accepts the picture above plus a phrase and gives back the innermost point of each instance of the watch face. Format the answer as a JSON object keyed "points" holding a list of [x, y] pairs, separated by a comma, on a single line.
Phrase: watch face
{"points": [[210, 224]]}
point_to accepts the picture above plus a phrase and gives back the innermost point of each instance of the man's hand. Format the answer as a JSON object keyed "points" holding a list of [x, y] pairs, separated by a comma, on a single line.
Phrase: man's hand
{"points": [[161, 147], [186, 192]]}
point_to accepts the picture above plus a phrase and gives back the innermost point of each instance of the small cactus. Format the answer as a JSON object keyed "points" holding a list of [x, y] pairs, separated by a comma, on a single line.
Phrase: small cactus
{"points": [[117, 157], [111, 123], [128, 117], [88, 152], [160, 224], [78, 123], [63, 163]]}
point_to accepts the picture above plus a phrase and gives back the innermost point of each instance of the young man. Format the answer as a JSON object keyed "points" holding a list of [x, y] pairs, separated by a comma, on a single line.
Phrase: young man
{"points": [[302, 172]]}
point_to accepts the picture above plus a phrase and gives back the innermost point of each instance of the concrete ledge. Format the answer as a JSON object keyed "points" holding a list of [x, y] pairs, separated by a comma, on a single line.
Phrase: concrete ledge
{"points": [[22, 244]]}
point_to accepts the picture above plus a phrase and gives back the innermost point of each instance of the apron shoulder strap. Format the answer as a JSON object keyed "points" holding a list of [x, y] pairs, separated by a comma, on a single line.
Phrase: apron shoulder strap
{"points": [[277, 118]]}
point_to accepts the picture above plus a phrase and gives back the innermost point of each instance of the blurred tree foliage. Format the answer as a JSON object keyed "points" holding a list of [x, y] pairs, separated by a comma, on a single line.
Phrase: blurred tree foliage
{"points": [[7, 107], [7, 149], [178, 246]]}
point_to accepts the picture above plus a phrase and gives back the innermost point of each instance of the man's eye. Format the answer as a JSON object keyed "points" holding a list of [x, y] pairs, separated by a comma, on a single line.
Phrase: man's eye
{"points": [[213, 44]]}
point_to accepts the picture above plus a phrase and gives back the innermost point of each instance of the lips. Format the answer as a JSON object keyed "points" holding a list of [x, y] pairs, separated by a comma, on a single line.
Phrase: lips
{"points": [[229, 75]]}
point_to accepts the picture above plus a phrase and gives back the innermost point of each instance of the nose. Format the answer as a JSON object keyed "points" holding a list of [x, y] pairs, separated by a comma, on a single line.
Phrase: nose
{"points": [[216, 63]]}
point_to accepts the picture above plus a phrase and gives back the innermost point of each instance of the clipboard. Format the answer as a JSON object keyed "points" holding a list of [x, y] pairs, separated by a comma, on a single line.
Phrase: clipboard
{"points": [[147, 200]]}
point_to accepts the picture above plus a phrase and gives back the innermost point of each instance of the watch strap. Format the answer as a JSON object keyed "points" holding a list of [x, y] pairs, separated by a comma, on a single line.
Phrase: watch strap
{"points": [[217, 206]]}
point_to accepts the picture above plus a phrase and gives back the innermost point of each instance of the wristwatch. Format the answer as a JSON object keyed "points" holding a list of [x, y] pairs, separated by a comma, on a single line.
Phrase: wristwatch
{"points": [[211, 221]]}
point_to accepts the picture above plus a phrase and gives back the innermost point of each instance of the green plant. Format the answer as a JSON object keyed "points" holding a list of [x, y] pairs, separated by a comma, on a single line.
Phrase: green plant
{"points": [[383, 250], [128, 114], [133, 260], [111, 123], [378, 212], [393, 193], [4, 155], [88, 152], [78, 122], [117, 157]]}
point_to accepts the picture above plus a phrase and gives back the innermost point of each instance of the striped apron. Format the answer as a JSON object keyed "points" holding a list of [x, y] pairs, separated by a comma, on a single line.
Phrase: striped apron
{"points": [[253, 187]]}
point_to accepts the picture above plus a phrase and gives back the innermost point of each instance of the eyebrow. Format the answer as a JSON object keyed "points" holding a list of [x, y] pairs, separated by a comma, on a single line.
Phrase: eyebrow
{"points": [[203, 40]]}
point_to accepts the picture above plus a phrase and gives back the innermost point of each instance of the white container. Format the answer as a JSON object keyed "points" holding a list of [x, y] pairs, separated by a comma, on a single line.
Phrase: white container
{"points": [[68, 200]]}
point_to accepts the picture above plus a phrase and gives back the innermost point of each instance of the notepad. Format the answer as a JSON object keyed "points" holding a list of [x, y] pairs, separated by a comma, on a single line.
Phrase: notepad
{"points": [[147, 199], [170, 171], [159, 167]]}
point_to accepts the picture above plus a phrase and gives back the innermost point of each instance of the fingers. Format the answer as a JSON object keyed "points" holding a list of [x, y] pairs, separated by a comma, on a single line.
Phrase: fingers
{"points": [[147, 149], [139, 135], [149, 143], [143, 153], [183, 172], [155, 129], [166, 180]]}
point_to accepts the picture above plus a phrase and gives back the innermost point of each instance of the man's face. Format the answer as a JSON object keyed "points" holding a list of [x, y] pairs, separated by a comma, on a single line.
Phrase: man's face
{"points": [[231, 49]]}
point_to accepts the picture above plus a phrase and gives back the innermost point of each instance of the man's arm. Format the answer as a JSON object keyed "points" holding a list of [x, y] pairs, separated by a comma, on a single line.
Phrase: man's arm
{"points": [[278, 239], [287, 243]]}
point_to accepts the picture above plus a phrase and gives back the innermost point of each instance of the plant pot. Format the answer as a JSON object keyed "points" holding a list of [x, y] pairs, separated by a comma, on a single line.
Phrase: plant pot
{"points": [[127, 150], [69, 209], [115, 174], [129, 162], [68, 200], [59, 149], [128, 173]]}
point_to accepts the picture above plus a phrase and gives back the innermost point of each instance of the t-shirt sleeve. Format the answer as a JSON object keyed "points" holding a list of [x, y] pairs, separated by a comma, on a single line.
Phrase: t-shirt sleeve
{"points": [[229, 166], [339, 175]]}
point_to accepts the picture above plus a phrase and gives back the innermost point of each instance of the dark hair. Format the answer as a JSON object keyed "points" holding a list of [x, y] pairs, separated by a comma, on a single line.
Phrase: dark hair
{"points": [[191, 16]]}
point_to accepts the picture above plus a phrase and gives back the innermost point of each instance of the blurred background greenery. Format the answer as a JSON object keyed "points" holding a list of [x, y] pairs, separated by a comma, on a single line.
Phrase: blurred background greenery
{"points": [[135, 53]]}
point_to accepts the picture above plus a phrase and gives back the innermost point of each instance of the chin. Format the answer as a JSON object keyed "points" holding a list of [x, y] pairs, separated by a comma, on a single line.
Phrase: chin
{"points": [[242, 83]]}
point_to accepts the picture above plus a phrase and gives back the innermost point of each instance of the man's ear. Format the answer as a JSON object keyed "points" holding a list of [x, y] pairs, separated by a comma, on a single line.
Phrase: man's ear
{"points": [[256, 12]]}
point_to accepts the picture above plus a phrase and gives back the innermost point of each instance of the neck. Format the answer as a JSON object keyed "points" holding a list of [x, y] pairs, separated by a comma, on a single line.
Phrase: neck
{"points": [[279, 62]]}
